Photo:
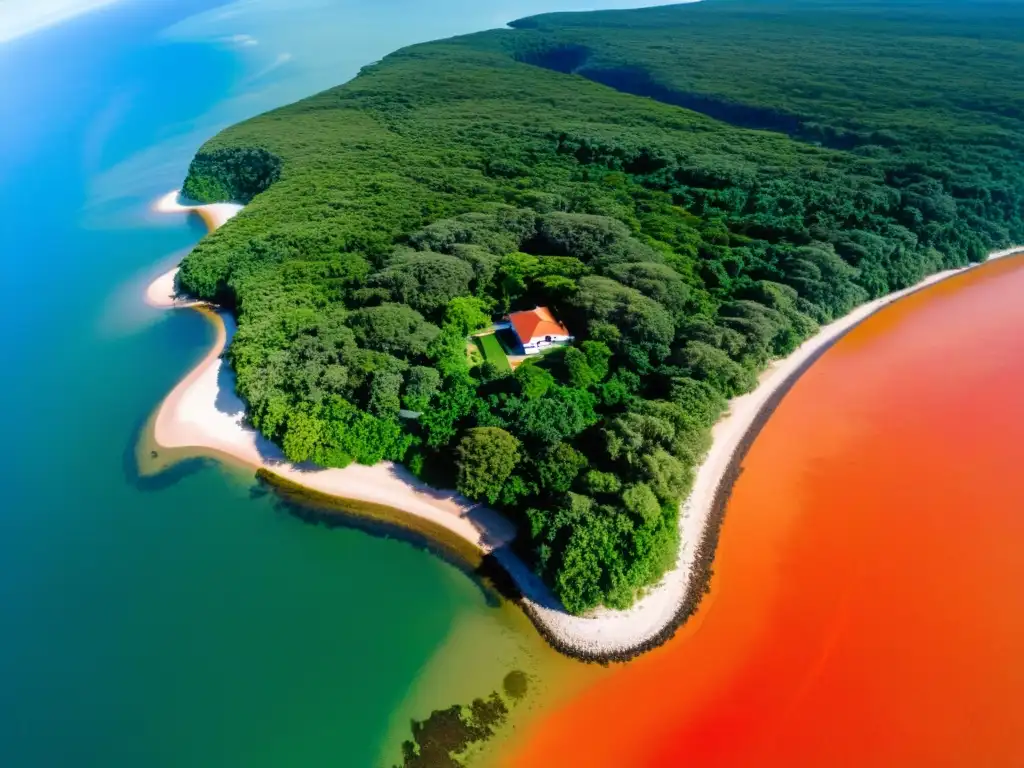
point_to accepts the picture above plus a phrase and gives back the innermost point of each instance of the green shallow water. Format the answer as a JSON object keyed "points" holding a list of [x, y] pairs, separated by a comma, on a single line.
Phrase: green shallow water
{"points": [[190, 619]]}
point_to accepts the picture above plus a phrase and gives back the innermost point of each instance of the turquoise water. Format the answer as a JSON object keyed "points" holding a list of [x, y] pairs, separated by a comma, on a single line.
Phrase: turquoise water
{"points": [[189, 620]]}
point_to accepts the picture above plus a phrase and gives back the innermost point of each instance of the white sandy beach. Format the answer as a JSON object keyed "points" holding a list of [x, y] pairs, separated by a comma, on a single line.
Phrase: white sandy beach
{"points": [[215, 215], [608, 632], [163, 292], [203, 412]]}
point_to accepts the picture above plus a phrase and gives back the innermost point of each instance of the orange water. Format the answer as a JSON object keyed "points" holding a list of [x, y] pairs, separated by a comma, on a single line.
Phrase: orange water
{"points": [[868, 602]]}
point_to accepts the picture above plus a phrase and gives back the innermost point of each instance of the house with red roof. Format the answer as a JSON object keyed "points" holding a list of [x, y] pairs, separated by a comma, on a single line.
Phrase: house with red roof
{"points": [[538, 329]]}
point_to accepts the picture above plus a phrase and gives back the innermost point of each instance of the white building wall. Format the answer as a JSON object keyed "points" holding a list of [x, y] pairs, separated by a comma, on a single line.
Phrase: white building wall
{"points": [[539, 343]]}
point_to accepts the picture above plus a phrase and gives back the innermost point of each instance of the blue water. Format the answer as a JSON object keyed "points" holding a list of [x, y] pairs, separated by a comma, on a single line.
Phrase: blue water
{"points": [[191, 620]]}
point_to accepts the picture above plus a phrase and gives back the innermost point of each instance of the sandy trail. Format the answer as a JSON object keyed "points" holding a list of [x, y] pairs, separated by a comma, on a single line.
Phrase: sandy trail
{"points": [[203, 412]]}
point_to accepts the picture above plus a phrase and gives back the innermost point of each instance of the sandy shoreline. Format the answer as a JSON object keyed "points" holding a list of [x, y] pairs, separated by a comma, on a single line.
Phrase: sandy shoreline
{"points": [[203, 412], [215, 215], [163, 292], [608, 634]]}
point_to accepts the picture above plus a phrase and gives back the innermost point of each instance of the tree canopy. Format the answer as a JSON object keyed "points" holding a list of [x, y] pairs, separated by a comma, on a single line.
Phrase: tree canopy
{"points": [[486, 458], [692, 190]]}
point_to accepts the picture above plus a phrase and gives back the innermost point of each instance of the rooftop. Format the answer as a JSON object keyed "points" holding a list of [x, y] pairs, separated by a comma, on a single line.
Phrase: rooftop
{"points": [[535, 322]]}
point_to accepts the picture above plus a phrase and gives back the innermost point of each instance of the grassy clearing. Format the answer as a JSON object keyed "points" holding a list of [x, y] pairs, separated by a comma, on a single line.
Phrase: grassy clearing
{"points": [[493, 353]]}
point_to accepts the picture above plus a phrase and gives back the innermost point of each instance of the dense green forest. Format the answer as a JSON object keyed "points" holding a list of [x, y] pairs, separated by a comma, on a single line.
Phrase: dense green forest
{"points": [[691, 189]]}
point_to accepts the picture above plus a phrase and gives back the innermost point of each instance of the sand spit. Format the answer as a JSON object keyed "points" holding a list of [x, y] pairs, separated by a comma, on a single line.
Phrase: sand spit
{"points": [[204, 413], [163, 293], [215, 215]]}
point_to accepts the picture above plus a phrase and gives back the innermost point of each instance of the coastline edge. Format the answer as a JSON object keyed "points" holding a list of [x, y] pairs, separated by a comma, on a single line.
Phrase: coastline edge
{"points": [[689, 580]]}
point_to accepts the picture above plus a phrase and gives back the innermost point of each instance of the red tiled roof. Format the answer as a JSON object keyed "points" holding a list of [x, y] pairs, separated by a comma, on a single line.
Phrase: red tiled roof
{"points": [[534, 323]]}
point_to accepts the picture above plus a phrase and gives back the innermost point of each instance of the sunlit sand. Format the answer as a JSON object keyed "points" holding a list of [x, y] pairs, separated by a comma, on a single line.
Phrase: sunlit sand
{"points": [[203, 412]]}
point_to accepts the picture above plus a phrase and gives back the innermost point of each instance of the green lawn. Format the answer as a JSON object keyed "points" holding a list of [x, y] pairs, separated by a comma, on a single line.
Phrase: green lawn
{"points": [[493, 353], [509, 342]]}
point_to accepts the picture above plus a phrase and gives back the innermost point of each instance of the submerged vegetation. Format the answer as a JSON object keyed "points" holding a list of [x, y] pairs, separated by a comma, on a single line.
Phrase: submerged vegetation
{"points": [[392, 217], [445, 737]]}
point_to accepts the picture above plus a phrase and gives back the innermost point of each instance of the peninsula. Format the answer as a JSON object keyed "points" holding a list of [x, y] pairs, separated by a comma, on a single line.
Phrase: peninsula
{"points": [[687, 221]]}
